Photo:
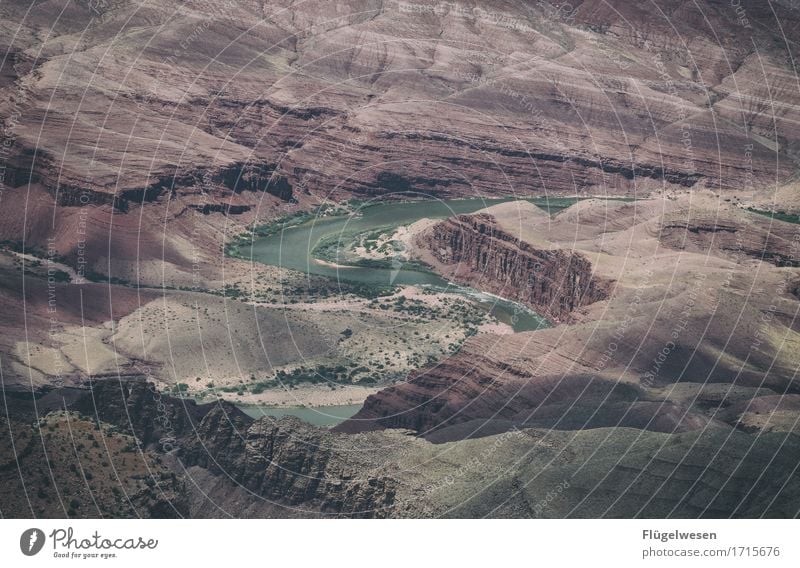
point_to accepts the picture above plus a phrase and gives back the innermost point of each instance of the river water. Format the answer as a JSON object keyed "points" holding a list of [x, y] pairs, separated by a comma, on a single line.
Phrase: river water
{"points": [[293, 248], [324, 416]]}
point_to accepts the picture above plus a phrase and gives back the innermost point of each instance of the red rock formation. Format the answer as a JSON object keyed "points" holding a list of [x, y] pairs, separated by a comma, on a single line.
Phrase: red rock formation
{"points": [[474, 251], [708, 314], [370, 99], [745, 236]]}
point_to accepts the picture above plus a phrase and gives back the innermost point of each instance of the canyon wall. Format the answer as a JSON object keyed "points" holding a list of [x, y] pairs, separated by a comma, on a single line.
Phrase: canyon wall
{"points": [[188, 115], [225, 464], [683, 311], [472, 250], [286, 462], [290, 462]]}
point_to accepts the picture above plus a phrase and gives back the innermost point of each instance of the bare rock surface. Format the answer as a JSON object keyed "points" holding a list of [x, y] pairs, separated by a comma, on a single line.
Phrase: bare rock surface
{"points": [[159, 127], [687, 304]]}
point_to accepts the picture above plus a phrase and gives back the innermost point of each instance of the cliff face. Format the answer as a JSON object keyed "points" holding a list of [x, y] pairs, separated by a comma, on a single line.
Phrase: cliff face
{"points": [[290, 462], [687, 308], [495, 386], [573, 81], [230, 465], [287, 462], [595, 97], [473, 250], [157, 420]]}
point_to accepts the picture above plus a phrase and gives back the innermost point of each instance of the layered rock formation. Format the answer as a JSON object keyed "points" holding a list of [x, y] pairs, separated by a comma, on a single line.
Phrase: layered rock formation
{"points": [[228, 465], [291, 463], [288, 463], [137, 137], [702, 293], [472, 249], [744, 236], [142, 113]]}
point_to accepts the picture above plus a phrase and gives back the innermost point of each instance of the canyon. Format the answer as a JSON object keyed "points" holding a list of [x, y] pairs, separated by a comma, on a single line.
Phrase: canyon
{"points": [[660, 322], [213, 460], [676, 422], [592, 98], [146, 148]]}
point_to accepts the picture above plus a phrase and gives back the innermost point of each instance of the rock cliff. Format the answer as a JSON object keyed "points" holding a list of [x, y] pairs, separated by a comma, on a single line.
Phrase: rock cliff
{"points": [[292, 463], [286, 462], [229, 465], [684, 285], [240, 108], [473, 250]]}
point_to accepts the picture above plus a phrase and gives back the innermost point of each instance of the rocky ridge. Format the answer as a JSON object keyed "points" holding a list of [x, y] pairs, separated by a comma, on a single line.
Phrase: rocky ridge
{"points": [[680, 308], [471, 249], [246, 111]]}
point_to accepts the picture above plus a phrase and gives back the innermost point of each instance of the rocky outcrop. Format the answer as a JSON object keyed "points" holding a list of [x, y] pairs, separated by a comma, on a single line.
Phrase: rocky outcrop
{"points": [[466, 388], [474, 251], [139, 408], [500, 388], [288, 461], [224, 208], [240, 177], [615, 363], [291, 462], [747, 235], [285, 468]]}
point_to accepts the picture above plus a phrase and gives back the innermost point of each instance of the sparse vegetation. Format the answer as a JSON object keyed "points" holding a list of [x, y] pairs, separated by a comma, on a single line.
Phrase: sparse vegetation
{"points": [[114, 470], [779, 215]]}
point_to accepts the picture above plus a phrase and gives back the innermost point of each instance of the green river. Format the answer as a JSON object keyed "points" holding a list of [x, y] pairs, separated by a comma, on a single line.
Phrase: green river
{"points": [[294, 247], [324, 416]]}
